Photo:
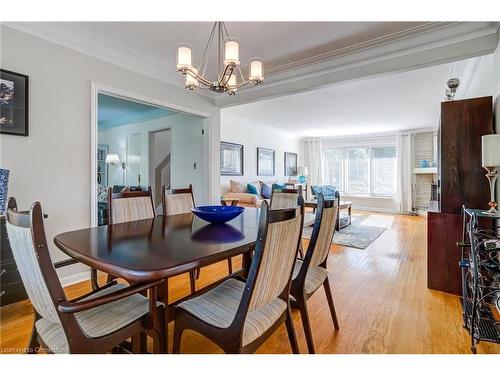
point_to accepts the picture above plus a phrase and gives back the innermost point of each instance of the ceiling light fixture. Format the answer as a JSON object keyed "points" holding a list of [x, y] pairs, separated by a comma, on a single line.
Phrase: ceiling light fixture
{"points": [[229, 77]]}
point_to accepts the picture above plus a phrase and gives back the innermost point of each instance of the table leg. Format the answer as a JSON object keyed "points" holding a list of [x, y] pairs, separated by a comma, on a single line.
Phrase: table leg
{"points": [[163, 298]]}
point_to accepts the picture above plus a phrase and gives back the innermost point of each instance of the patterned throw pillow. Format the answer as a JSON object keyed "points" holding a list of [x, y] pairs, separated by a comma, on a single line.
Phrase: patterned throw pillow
{"points": [[278, 187], [327, 190], [266, 191], [102, 193]]}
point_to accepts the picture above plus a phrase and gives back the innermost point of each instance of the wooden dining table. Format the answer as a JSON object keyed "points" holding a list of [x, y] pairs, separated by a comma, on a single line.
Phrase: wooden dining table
{"points": [[163, 247]]}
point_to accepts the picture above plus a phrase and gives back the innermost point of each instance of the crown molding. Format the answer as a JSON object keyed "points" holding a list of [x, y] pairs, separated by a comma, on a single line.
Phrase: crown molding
{"points": [[430, 46], [448, 41], [72, 36]]}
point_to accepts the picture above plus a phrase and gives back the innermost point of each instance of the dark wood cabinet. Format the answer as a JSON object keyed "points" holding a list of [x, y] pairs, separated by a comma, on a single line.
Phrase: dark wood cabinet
{"points": [[11, 286], [462, 178], [462, 181]]}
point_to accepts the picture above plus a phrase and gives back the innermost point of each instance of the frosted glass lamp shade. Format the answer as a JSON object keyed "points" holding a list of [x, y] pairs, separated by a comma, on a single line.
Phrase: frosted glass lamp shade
{"points": [[302, 171], [191, 81], [231, 51], [231, 84], [183, 56], [113, 159], [491, 150], [256, 70]]}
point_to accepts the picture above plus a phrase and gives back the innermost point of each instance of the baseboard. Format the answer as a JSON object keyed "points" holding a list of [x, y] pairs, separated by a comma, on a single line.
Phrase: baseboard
{"points": [[374, 209], [75, 278]]}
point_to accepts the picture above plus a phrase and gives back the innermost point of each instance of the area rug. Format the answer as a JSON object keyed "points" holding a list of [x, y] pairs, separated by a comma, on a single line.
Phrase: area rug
{"points": [[361, 233]]}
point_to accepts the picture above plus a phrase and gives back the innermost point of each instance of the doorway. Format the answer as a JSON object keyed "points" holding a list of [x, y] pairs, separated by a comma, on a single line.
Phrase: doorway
{"points": [[138, 144]]}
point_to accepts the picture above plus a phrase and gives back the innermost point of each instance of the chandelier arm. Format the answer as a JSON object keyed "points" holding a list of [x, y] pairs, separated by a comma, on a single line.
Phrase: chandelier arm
{"points": [[223, 82], [198, 77], [204, 58]]}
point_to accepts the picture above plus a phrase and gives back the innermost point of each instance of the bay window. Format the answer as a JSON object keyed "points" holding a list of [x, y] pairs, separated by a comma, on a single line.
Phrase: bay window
{"points": [[366, 170]]}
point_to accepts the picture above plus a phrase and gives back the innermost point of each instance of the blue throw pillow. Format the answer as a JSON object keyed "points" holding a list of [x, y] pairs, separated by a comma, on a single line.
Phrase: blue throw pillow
{"points": [[329, 190], [266, 191], [278, 187], [252, 189], [316, 189]]}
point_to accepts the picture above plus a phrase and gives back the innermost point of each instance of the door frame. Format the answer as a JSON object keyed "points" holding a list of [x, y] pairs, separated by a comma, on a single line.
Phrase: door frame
{"points": [[99, 88]]}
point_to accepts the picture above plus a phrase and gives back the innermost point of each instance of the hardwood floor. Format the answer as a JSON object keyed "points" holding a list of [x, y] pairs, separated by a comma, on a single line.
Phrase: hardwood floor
{"points": [[380, 294]]}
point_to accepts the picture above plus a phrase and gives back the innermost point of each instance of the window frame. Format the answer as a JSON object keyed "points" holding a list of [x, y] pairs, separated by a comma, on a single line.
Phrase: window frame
{"points": [[345, 169]]}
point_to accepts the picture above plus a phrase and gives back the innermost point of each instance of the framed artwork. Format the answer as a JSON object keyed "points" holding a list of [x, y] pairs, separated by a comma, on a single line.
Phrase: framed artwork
{"points": [[290, 164], [265, 162], [14, 93], [231, 159]]}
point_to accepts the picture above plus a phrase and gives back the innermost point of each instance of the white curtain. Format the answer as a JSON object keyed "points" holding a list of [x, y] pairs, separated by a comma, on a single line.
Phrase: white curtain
{"points": [[313, 160], [404, 172]]}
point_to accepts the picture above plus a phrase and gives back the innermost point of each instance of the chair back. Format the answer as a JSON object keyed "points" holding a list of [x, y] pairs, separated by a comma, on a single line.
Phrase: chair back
{"points": [[323, 231], [29, 247], [285, 198], [130, 206], [177, 201], [279, 235]]}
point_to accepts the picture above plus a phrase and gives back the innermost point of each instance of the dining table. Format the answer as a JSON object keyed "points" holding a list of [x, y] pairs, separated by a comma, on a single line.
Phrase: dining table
{"points": [[162, 247]]}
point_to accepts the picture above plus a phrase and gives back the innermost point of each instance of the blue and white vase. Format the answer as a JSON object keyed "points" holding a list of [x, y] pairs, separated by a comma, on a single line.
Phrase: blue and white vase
{"points": [[4, 181]]}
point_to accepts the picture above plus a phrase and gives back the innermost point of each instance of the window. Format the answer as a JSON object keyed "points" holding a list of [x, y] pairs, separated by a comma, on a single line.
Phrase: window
{"points": [[384, 170], [358, 171], [367, 170]]}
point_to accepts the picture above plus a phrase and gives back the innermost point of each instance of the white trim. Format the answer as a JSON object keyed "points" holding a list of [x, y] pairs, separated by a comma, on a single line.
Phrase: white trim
{"points": [[97, 88]]}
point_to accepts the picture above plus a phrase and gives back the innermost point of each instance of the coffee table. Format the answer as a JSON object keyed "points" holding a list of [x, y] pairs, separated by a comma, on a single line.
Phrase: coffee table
{"points": [[344, 218], [229, 202]]}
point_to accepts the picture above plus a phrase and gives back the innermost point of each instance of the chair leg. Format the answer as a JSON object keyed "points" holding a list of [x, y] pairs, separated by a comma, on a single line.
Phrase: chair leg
{"points": [[301, 302], [291, 331], [93, 279], [160, 340], [301, 251], [329, 297], [33, 345], [177, 338], [230, 265], [192, 282], [139, 343]]}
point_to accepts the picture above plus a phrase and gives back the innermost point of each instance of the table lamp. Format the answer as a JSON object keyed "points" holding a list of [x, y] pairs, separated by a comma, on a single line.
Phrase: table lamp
{"points": [[490, 145], [302, 172]]}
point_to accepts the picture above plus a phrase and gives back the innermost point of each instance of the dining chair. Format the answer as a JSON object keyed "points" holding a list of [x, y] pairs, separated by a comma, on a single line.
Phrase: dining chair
{"points": [[311, 272], [285, 198], [180, 201], [123, 207], [240, 315], [94, 323]]}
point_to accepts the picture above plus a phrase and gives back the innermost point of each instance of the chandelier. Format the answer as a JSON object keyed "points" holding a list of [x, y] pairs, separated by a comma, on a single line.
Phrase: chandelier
{"points": [[229, 77]]}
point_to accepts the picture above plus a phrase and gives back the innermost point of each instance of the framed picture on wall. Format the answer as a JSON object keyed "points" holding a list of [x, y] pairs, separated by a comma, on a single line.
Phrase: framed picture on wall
{"points": [[290, 164], [13, 103], [231, 159], [265, 162]]}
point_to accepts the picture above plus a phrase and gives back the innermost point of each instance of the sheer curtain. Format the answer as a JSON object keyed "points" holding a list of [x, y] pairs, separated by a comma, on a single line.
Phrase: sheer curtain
{"points": [[404, 172], [313, 160]]}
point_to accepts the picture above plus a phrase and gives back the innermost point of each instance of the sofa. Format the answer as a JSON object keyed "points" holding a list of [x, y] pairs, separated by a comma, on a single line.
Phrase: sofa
{"points": [[238, 190]]}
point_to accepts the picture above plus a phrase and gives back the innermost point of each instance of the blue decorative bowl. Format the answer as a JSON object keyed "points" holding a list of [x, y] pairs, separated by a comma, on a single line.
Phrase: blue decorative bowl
{"points": [[217, 214], [217, 233]]}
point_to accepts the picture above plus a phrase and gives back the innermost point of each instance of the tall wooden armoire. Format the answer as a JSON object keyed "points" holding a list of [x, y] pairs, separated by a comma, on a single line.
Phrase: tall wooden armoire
{"points": [[462, 181]]}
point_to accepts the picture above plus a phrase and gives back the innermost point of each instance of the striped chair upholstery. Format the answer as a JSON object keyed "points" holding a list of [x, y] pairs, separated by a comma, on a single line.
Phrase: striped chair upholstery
{"points": [[95, 322], [277, 261], [283, 200], [21, 242], [316, 274], [130, 209], [218, 306], [178, 203]]}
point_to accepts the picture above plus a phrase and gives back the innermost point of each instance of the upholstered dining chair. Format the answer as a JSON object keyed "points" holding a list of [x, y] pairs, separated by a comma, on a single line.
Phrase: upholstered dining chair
{"points": [[94, 323], [126, 206], [240, 315], [285, 198], [311, 272]]}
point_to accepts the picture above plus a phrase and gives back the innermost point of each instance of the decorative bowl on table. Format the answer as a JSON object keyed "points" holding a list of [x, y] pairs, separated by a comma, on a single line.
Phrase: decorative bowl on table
{"points": [[217, 214]]}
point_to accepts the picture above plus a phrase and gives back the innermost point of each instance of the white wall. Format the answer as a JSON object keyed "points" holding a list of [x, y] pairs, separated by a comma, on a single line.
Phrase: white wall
{"points": [[186, 149], [52, 165], [252, 137]]}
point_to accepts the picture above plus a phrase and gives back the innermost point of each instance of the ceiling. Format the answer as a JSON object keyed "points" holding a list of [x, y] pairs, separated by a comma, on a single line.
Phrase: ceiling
{"points": [[386, 103], [277, 43], [114, 112]]}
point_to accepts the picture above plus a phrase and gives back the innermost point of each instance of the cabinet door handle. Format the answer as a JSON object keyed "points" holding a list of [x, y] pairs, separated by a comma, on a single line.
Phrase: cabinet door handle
{"points": [[2, 293], [2, 272]]}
